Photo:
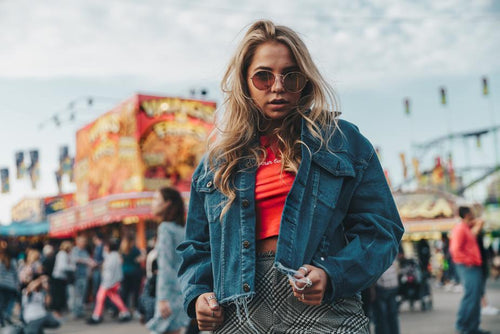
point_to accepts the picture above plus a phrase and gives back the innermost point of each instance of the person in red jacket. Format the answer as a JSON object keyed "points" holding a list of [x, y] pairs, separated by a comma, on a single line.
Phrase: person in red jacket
{"points": [[467, 257]]}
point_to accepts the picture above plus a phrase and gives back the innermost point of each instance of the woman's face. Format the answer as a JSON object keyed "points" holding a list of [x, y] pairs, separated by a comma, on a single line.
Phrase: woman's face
{"points": [[274, 102], [157, 205]]}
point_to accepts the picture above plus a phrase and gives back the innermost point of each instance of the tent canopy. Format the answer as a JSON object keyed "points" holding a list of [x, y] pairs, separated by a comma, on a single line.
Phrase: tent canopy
{"points": [[24, 229]]}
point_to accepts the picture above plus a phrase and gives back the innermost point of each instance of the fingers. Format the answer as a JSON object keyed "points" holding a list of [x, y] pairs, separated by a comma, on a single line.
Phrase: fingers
{"points": [[209, 314], [310, 288]]}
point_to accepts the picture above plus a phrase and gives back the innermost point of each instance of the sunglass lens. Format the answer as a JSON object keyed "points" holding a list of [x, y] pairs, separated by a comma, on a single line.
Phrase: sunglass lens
{"points": [[294, 82], [263, 80]]}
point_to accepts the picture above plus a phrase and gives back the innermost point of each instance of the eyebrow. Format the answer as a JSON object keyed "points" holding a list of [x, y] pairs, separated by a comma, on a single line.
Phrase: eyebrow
{"points": [[286, 69]]}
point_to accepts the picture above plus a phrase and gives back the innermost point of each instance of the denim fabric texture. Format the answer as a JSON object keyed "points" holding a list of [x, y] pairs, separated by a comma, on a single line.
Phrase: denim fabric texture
{"points": [[167, 285], [469, 312], [79, 294], [339, 215], [385, 311]]}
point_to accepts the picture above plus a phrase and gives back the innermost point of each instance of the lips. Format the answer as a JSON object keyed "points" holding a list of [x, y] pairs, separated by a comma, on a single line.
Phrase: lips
{"points": [[278, 102]]}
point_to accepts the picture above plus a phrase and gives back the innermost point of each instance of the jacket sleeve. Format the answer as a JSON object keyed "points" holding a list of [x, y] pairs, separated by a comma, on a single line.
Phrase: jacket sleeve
{"points": [[195, 272], [373, 230], [167, 274]]}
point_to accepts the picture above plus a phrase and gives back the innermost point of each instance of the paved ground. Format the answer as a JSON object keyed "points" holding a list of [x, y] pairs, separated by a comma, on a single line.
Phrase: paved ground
{"points": [[438, 321]]}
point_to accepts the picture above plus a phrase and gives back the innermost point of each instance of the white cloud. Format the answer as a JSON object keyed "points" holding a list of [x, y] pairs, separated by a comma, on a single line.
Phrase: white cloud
{"points": [[158, 39]]}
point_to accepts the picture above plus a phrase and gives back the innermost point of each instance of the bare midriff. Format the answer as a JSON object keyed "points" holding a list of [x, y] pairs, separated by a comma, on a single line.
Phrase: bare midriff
{"points": [[266, 245]]}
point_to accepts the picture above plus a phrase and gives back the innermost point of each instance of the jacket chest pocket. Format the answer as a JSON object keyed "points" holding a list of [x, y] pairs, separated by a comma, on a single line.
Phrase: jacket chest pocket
{"points": [[213, 200]]}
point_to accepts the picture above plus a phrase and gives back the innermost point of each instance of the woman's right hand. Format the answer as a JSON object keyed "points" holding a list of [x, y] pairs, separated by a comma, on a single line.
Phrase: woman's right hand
{"points": [[209, 314]]}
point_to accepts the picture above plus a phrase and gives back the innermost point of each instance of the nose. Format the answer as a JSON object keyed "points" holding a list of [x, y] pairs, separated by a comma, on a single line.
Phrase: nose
{"points": [[278, 84]]}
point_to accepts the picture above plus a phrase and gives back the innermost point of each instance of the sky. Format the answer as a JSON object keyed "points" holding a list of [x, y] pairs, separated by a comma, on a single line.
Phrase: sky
{"points": [[374, 53]]}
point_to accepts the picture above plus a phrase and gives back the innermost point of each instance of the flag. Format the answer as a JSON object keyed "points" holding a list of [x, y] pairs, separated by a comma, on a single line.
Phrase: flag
{"points": [[485, 86], [443, 95], [403, 163], [20, 165], [438, 173], [4, 176], [407, 106], [451, 173], [72, 170], [34, 168], [58, 175], [416, 169]]}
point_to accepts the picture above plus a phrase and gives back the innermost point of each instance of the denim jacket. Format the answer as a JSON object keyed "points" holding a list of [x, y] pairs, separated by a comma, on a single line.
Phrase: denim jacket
{"points": [[339, 216]]}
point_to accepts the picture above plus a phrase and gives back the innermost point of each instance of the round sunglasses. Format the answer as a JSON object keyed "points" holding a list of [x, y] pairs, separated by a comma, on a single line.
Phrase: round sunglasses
{"points": [[293, 82]]}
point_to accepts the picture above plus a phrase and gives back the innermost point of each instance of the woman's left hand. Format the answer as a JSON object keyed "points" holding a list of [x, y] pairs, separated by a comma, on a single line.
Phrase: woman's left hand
{"points": [[165, 310], [312, 294]]}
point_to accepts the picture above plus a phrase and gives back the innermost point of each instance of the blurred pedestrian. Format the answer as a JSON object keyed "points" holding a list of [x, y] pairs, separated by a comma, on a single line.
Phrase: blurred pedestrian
{"points": [[486, 308], [467, 257], [147, 300], [80, 257], [62, 275], [35, 299], [169, 317], [283, 164], [98, 256], [385, 305], [132, 271], [112, 275], [9, 282], [48, 260], [31, 267]]}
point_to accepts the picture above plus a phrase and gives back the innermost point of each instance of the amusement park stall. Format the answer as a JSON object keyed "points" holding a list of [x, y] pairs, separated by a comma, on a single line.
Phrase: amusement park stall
{"points": [[141, 145]]}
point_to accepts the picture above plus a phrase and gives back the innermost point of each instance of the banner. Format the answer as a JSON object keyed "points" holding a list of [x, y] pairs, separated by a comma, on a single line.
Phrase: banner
{"points": [[65, 163], [20, 165], [34, 168], [28, 210], [4, 175], [58, 203]]}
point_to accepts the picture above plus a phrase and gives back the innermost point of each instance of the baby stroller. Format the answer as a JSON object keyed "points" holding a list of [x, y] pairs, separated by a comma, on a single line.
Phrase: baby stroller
{"points": [[414, 285]]}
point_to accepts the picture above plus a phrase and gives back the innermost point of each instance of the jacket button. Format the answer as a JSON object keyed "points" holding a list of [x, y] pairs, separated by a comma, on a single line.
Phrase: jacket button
{"points": [[245, 203], [209, 184], [246, 243], [246, 287]]}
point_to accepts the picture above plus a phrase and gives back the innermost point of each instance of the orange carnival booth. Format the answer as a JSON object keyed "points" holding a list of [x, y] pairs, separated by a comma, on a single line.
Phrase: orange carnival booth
{"points": [[141, 145]]}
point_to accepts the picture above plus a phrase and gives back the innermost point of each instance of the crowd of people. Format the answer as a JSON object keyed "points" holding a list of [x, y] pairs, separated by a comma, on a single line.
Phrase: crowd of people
{"points": [[42, 286]]}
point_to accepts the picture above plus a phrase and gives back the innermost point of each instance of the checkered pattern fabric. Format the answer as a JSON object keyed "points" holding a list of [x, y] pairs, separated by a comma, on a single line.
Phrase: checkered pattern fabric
{"points": [[274, 309]]}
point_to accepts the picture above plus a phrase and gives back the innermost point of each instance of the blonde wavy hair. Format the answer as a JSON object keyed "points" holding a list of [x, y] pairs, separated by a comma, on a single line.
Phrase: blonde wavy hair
{"points": [[234, 139]]}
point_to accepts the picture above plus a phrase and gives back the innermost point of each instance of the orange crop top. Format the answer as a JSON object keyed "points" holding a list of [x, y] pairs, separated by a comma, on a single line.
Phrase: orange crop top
{"points": [[271, 190]]}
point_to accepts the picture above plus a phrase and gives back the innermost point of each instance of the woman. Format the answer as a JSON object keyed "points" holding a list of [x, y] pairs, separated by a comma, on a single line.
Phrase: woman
{"points": [[132, 272], [63, 269], [169, 316], [288, 193]]}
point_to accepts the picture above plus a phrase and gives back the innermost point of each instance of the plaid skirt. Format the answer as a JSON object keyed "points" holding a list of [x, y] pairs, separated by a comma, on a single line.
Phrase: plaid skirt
{"points": [[274, 309]]}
